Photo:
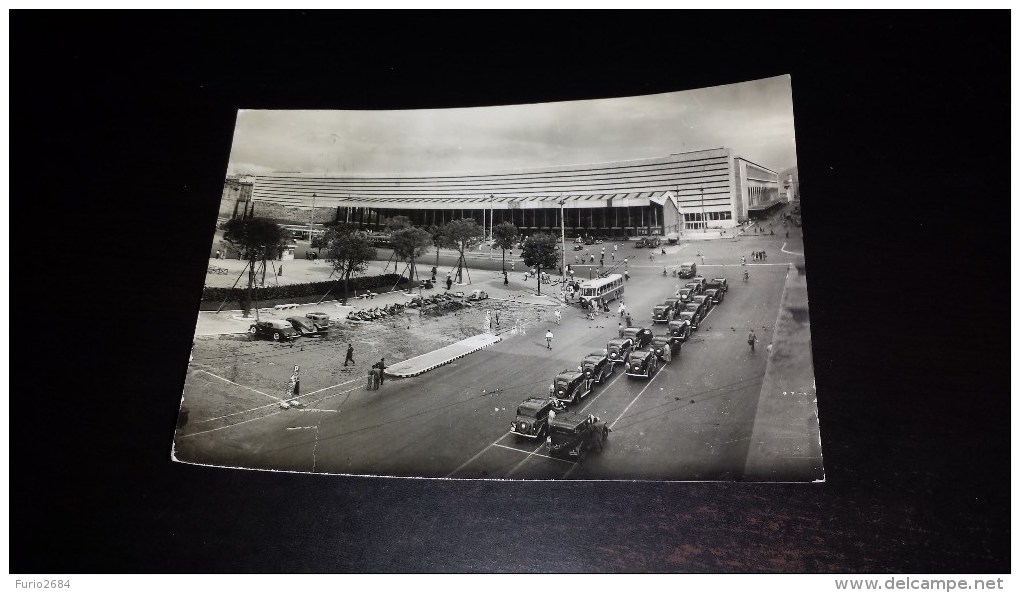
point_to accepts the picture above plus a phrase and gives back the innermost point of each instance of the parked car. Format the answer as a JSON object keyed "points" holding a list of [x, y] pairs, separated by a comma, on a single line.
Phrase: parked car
{"points": [[643, 363], [719, 283], [276, 329], [597, 366], [662, 313], [694, 287], [619, 349], [716, 294], [706, 301], [641, 336], [699, 309], [319, 320], [532, 419], [303, 325], [685, 294], [571, 386], [478, 295], [688, 269], [572, 435], [680, 329], [653, 242], [661, 343], [700, 280], [642, 242], [691, 317]]}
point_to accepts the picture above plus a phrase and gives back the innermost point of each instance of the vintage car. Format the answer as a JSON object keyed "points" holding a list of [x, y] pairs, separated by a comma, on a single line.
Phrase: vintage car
{"points": [[716, 295], [691, 317], [695, 288], [642, 242], [573, 434], [700, 280], [662, 313], [661, 343], [680, 329], [719, 283], [642, 363], [619, 349], [597, 366], [311, 324], [478, 295], [532, 419], [641, 336], [653, 242], [706, 301], [685, 294], [571, 386], [276, 329], [688, 269], [699, 309]]}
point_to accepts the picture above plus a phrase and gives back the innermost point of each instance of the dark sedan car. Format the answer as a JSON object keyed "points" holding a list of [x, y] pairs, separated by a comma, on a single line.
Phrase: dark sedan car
{"points": [[719, 283], [680, 329], [641, 336], [572, 435], [685, 294], [662, 313], [716, 294], [571, 386], [597, 366], [706, 302], [691, 317], [696, 288], [643, 363], [532, 418], [276, 329], [661, 343], [619, 349]]}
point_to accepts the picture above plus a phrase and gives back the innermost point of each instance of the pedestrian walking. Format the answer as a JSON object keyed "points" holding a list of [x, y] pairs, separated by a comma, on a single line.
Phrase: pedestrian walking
{"points": [[218, 254], [350, 354], [548, 339], [768, 349], [615, 247], [373, 379], [764, 255], [743, 261], [752, 340], [614, 255], [497, 318], [513, 265], [626, 263], [558, 316], [626, 275], [593, 258], [667, 352], [381, 366], [630, 322], [621, 329]]}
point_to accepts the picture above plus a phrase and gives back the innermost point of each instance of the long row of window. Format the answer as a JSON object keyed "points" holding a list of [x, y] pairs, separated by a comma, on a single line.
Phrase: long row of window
{"points": [[696, 216]]}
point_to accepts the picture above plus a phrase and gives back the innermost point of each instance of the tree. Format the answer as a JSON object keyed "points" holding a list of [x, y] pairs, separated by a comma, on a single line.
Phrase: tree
{"points": [[437, 238], [397, 223], [256, 239], [348, 251], [540, 252], [462, 235], [409, 244], [505, 237]]}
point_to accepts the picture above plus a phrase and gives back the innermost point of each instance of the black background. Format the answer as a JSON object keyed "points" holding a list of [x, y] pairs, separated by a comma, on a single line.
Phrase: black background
{"points": [[121, 131]]}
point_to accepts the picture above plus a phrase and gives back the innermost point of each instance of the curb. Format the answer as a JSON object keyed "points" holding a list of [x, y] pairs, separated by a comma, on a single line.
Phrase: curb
{"points": [[445, 362]]}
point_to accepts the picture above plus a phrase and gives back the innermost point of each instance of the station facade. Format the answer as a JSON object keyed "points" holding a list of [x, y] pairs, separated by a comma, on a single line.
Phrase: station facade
{"points": [[656, 196]]}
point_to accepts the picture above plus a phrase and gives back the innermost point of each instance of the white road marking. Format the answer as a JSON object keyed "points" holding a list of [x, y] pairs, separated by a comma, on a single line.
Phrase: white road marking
{"points": [[239, 385], [640, 393], [479, 454], [783, 249], [532, 453], [268, 405]]}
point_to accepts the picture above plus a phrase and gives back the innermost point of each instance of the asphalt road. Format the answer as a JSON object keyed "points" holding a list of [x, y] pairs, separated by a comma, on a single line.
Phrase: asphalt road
{"points": [[691, 421]]}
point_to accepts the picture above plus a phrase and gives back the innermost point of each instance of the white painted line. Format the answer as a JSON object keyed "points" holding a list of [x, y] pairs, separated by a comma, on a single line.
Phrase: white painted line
{"points": [[269, 405], [479, 454], [783, 249], [640, 393], [239, 385], [537, 454]]}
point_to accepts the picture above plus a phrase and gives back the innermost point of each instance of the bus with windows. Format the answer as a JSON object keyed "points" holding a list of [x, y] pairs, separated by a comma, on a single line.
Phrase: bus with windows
{"points": [[603, 289]]}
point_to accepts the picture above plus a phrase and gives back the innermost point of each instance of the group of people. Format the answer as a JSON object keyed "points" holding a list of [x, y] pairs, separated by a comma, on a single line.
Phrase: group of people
{"points": [[376, 375], [759, 255]]}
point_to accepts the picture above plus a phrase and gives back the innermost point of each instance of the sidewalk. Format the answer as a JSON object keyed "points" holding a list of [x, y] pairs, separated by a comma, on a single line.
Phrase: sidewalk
{"points": [[785, 442], [437, 358]]}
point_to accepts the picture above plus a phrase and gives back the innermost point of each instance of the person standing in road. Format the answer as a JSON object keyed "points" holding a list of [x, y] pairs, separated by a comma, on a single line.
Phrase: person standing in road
{"points": [[621, 329], [630, 322], [350, 354], [622, 308], [751, 339], [558, 316], [743, 260], [381, 365], [548, 339], [295, 381], [626, 275], [218, 254]]}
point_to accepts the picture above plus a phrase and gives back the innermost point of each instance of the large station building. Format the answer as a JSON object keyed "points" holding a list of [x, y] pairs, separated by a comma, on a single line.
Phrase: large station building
{"points": [[656, 196]]}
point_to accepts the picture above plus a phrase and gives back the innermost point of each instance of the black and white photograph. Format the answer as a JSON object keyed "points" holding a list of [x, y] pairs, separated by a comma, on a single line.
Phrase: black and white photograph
{"points": [[608, 289]]}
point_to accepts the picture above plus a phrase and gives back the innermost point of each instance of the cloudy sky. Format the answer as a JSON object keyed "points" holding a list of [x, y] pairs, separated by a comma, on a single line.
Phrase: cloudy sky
{"points": [[755, 119]]}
